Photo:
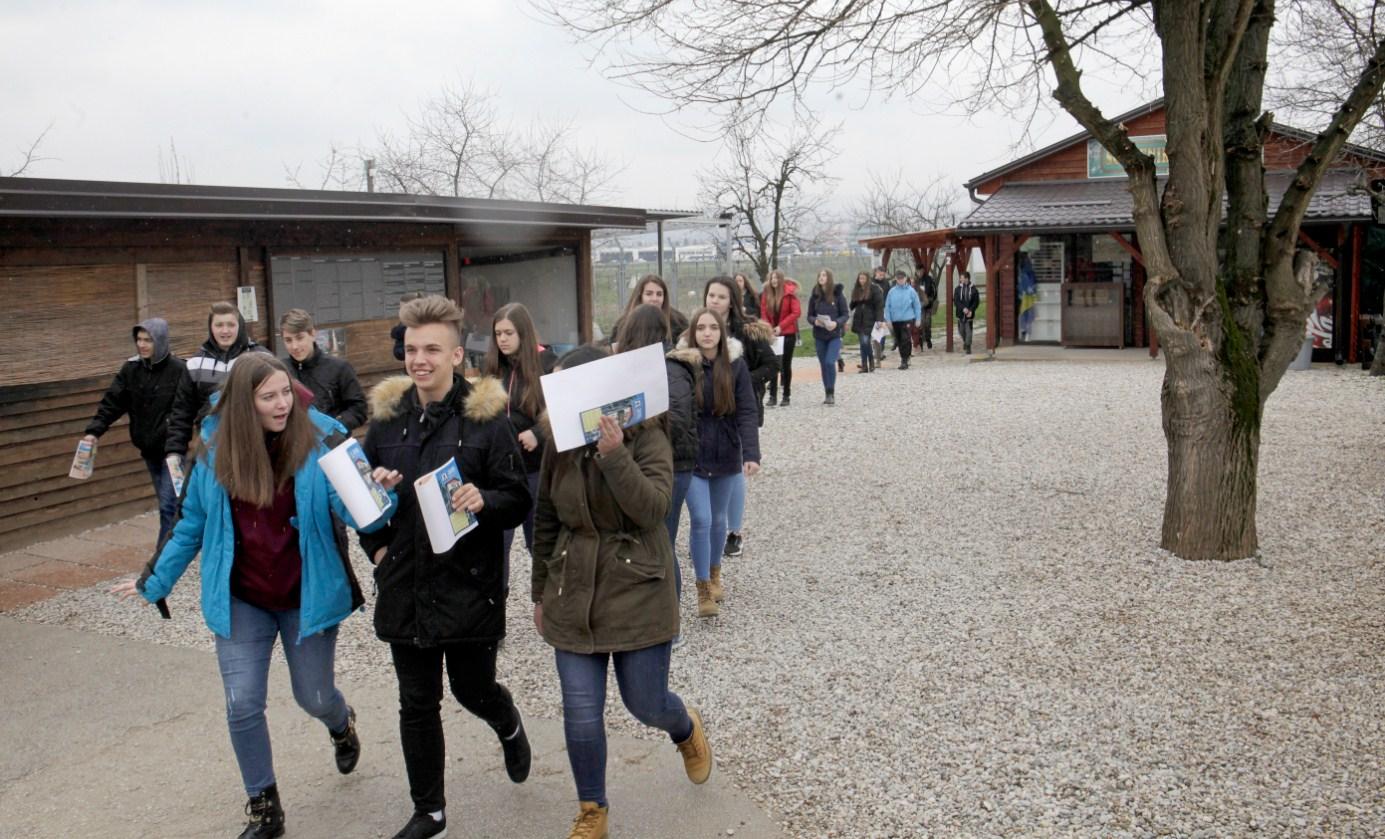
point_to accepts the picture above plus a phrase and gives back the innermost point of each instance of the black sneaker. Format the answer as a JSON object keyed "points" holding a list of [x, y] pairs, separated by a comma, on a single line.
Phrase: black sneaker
{"points": [[784, 403], [773, 400], [516, 749], [347, 744], [423, 826], [733, 545], [266, 815]]}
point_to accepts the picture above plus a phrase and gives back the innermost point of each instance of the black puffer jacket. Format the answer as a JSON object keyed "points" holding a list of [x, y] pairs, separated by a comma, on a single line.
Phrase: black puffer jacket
{"points": [[868, 312], [336, 390], [145, 391], [684, 368], [429, 599], [205, 373]]}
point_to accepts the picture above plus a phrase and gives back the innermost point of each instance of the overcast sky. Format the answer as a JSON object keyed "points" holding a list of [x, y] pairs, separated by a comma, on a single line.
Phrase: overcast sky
{"points": [[246, 87]]}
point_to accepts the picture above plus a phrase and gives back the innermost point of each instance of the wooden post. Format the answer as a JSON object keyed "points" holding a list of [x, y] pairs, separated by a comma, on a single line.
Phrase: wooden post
{"points": [[141, 291], [950, 266], [452, 272], [1355, 320], [584, 287], [885, 259]]}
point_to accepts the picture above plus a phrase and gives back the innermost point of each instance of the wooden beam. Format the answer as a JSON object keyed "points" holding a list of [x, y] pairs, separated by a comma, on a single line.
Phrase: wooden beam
{"points": [[950, 266], [885, 259], [1354, 323], [1127, 246], [1323, 253]]}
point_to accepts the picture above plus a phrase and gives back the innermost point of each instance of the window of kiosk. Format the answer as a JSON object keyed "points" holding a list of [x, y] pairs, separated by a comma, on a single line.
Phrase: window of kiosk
{"points": [[545, 281]]}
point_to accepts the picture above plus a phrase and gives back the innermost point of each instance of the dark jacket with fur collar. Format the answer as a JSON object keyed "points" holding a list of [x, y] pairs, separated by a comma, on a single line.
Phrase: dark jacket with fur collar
{"points": [[425, 598]]}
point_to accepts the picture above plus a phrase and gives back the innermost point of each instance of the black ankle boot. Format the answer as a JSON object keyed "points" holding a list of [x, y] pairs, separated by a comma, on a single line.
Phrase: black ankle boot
{"points": [[773, 399], [266, 815], [514, 742], [347, 745], [785, 402]]}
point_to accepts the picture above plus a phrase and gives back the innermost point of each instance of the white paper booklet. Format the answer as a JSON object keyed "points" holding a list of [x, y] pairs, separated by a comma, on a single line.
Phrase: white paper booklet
{"points": [[630, 386], [445, 523], [351, 475], [778, 346]]}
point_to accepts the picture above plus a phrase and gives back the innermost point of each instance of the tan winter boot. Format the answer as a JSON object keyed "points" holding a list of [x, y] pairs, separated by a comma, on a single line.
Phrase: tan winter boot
{"points": [[696, 751], [590, 822], [706, 606], [714, 585]]}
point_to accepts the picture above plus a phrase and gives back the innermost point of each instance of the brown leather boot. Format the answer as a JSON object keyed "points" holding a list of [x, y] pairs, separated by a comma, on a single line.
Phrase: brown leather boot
{"points": [[714, 586], [706, 606], [590, 822], [696, 751]]}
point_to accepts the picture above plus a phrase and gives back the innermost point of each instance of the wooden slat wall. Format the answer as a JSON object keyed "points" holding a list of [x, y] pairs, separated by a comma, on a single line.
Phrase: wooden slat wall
{"points": [[76, 319]]}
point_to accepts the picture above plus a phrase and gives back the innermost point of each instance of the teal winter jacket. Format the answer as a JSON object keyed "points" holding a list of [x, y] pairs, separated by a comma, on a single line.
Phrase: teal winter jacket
{"points": [[206, 526]]}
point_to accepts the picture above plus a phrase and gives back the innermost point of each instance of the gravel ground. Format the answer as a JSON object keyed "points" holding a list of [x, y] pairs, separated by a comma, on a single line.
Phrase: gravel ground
{"points": [[931, 634]]}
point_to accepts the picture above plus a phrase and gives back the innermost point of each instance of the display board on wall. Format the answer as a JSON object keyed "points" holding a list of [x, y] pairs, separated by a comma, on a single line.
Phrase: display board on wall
{"points": [[345, 288]]}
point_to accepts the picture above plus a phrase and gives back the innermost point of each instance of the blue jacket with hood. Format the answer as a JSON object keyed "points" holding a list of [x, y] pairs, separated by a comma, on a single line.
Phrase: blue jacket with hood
{"points": [[206, 526], [902, 303]]}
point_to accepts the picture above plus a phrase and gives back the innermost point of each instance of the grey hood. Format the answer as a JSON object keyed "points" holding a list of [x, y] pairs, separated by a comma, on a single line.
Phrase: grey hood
{"points": [[158, 330]]}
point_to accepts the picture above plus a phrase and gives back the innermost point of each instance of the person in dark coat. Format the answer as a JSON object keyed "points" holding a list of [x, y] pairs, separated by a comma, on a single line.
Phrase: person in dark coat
{"points": [[517, 360], [965, 300], [144, 388], [867, 308], [433, 608], [828, 312], [336, 390], [728, 450], [881, 280], [652, 290], [603, 598], [722, 296], [750, 297], [927, 288], [227, 340]]}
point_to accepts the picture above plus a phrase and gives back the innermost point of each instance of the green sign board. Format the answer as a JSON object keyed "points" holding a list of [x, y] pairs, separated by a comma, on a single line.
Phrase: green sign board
{"points": [[1101, 164]]}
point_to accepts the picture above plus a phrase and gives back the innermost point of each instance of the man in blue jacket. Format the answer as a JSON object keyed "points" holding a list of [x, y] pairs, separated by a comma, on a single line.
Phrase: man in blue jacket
{"points": [[902, 310]]}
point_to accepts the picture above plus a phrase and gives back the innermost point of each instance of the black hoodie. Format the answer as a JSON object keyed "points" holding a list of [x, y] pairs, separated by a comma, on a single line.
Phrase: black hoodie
{"points": [[336, 390], [205, 372], [144, 390]]}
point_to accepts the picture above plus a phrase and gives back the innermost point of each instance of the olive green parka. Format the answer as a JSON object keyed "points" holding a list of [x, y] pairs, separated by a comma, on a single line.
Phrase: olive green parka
{"points": [[603, 565]]}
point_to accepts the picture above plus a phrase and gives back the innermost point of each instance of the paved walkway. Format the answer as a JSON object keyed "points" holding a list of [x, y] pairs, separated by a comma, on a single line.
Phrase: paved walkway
{"points": [[105, 737]]}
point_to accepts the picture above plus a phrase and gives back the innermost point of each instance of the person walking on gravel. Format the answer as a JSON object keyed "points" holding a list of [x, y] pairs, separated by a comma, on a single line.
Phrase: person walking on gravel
{"points": [[965, 301], [259, 510], [728, 450], [902, 310], [603, 594], [867, 309], [780, 307], [828, 313], [445, 609]]}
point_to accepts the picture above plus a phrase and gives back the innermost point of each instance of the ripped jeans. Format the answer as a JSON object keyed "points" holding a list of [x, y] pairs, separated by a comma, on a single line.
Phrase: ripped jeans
{"points": [[244, 662]]}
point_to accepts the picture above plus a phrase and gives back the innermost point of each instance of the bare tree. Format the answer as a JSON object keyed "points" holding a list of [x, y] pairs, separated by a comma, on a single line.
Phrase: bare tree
{"points": [[1229, 324], [1321, 46], [771, 180], [30, 155], [176, 168], [894, 204], [338, 170]]}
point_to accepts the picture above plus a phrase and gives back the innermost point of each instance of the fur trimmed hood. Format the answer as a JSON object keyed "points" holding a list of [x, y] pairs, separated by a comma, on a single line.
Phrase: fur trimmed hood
{"points": [[480, 400], [758, 330]]}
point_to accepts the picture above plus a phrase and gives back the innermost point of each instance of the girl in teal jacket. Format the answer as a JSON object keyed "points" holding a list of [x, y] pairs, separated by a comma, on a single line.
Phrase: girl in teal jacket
{"points": [[259, 510]]}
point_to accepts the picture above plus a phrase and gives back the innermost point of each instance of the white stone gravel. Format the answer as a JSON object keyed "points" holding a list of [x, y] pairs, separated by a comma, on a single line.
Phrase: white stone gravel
{"points": [[952, 617]]}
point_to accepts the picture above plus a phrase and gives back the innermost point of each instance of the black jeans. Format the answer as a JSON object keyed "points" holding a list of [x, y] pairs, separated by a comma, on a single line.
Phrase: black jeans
{"points": [[471, 675], [964, 327], [927, 329], [902, 340], [785, 365]]}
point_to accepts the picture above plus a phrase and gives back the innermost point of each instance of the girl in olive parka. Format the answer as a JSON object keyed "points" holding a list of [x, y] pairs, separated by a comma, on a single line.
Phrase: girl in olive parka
{"points": [[603, 591]]}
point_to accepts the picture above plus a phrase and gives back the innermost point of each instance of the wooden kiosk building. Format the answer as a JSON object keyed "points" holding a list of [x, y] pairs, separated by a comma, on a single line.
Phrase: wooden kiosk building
{"points": [[1064, 212], [82, 262]]}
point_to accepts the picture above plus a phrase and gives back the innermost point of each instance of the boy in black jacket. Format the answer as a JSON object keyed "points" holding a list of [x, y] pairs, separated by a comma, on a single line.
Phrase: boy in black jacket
{"points": [[144, 388], [336, 390], [450, 607], [227, 340]]}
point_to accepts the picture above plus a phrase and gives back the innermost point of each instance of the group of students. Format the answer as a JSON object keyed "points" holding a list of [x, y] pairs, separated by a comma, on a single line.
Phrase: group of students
{"points": [[269, 527]]}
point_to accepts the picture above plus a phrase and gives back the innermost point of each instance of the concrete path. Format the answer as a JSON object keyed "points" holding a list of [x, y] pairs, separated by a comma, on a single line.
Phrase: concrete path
{"points": [[104, 737]]}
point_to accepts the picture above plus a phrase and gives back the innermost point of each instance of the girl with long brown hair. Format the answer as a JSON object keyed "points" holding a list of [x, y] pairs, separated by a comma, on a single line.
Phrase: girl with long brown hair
{"points": [[867, 305], [728, 449], [780, 307], [259, 510], [750, 298], [653, 291], [828, 312], [518, 360]]}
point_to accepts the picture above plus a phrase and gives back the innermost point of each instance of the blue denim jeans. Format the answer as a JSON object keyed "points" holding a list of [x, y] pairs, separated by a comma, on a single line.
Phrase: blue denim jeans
{"points": [[735, 514], [244, 662], [828, 351], [533, 479], [866, 346], [709, 505], [163, 490], [642, 676], [675, 513]]}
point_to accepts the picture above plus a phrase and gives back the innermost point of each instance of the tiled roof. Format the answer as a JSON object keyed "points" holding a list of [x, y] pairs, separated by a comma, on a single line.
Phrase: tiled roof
{"points": [[1105, 204]]}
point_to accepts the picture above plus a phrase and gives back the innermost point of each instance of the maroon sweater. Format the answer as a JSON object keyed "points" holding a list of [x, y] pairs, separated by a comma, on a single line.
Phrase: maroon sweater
{"points": [[267, 568]]}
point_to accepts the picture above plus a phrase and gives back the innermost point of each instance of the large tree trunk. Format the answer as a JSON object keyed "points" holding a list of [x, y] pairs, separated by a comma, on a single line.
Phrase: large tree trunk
{"points": [[1214, 445]]}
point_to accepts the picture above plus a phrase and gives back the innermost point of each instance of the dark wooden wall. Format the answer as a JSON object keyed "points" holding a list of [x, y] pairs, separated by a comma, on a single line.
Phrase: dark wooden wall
{"points": [[70, 291]]}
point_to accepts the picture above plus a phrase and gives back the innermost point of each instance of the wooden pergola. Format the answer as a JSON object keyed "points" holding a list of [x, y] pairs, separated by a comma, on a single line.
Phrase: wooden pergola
{"points": [[925, 246]]}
